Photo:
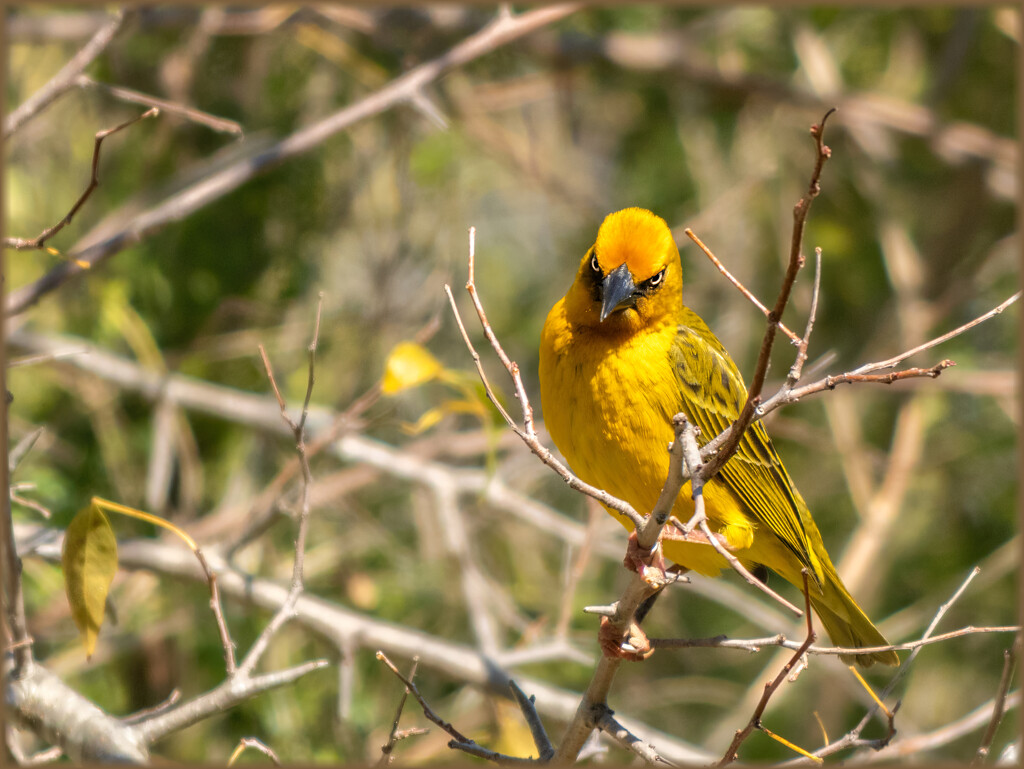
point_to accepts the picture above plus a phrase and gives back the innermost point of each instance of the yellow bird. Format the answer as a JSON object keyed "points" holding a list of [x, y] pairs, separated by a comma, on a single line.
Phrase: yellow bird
{"points": [[620, 356]]}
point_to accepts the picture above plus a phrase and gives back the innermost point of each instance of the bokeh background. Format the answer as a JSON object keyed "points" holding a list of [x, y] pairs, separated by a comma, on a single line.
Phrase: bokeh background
{"points": [[701, 115]]}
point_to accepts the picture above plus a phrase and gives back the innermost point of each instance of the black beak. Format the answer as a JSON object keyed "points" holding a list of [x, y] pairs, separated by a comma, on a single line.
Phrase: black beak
{"points": [[617, 291]]}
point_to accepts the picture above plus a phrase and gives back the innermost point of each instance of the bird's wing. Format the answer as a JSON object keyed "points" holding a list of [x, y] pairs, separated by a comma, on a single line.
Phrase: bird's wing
{"points": [[712, 393]]}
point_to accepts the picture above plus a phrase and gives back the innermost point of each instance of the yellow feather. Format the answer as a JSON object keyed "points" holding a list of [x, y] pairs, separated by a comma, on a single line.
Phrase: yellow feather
{"points": [[610, 387]]}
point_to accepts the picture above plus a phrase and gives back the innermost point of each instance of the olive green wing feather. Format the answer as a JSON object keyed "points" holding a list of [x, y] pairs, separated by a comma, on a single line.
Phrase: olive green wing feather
{"points": [[712, 393]]}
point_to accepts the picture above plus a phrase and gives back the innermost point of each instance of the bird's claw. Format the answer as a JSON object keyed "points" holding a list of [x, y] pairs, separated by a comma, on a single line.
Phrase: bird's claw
{"points": [[649, 564], [613, 642]]}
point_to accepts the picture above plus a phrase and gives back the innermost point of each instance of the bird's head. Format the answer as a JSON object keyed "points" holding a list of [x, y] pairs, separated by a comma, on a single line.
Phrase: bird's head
{"points": [[631, 278]]}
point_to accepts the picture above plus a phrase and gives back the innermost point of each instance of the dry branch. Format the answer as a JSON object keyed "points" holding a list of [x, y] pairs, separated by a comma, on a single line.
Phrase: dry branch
{"points": [[333, 621], [404, 88], [66, 78], [39, 241], [731, 753], [750, 408]]}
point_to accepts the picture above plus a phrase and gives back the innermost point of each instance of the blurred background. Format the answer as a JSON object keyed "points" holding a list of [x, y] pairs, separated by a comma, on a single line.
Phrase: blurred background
{"points": [[698, 114]]}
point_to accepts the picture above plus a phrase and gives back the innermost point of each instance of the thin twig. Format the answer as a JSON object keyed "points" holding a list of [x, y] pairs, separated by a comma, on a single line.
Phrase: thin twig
{"points": [[801, 351], [21, 450], [511, 366], [256, 744], [386, 756], [39, 241], [608, 724], [142, 715], [195, 196], [937, 340], [424, 705], [223, 125], [532, 441], [787, 395], [796, 260], [694, 469], [999, 702], [543, 744], [735, 281], [772, 686], [780, 640], [64, 80], [286, 612], [852, 737]]}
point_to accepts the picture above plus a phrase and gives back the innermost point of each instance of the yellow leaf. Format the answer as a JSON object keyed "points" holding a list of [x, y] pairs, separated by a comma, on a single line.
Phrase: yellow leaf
{"points": [[89, 562], [409, 365], [424, 423]]}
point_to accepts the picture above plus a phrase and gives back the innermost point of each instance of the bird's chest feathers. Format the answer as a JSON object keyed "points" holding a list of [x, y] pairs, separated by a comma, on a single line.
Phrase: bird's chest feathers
{"points": [[618, 396]]}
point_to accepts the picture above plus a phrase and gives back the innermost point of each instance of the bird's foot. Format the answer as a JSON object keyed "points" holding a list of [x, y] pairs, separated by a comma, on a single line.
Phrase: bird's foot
{"points": [[631, 645], [649, 564], [674, 532]]}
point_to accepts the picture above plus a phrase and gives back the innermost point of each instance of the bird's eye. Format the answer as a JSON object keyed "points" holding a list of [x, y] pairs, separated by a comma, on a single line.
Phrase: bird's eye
{"points": [[593, 263], [656, 280]]}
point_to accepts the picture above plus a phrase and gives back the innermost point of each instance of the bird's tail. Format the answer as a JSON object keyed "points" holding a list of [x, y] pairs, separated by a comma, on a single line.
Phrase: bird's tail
{"points": [[848, 625]]}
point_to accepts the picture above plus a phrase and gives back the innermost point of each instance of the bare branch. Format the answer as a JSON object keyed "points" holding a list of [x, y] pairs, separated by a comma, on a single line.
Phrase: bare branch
{"points": [[735, 281], [286, 611], [428, 711], [796, 261], [853, 738], [529, 437], [255, 744], [38, 700], [543, 744], [608, 724], [39, 241], [694, 468], [65, 79], [226, 695], [937, 340], [772, 686], [458, 661], [213, 187], [801, 355], [756, 644], [999, 702], [220, 124], [386, 756]]}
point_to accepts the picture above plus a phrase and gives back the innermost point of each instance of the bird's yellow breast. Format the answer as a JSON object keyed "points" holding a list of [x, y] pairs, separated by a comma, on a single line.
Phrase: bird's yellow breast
{"points": [[608, 405], [605, 406]]}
